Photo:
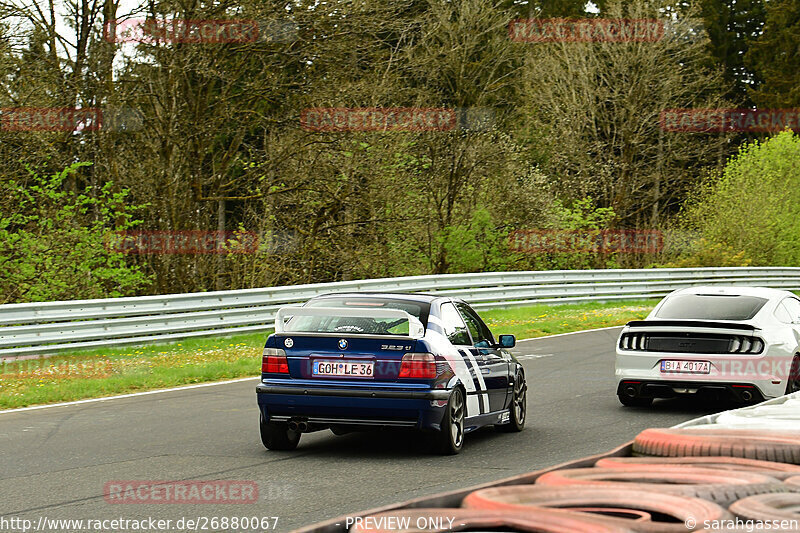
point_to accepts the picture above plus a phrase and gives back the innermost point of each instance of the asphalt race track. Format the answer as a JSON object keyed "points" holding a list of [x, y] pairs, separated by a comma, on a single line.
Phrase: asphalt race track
{"points": [[56, 461]]}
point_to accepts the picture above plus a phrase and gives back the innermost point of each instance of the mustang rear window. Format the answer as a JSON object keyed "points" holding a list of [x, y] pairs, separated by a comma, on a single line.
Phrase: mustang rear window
{"points": [[711, 307]]}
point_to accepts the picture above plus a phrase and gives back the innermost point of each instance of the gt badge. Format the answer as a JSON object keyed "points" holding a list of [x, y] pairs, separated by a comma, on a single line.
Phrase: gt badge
{"points": [[342, 344], [288, 342]]}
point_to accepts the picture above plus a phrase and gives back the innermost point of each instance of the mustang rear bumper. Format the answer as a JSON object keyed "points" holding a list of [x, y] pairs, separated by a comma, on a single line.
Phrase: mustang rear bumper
{"points": [[672, 389], [766, 371]]}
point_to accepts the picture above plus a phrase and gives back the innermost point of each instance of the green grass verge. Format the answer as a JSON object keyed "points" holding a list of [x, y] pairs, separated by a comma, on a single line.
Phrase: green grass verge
{"points": [[120, 370], [541, 320]]}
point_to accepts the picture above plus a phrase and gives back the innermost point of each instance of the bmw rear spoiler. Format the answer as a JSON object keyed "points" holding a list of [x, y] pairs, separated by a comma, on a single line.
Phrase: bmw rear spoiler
{"points": [[415, 328], [689, 324]]}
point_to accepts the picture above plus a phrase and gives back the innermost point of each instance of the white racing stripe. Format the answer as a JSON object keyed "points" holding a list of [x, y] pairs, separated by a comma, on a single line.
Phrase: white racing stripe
{"points": [[473, 407], [441, 345], [483, 391]]}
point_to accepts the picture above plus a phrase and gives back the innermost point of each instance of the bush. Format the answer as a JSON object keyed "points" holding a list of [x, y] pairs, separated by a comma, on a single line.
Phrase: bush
{"points": [[52, 240], [750, 213]]}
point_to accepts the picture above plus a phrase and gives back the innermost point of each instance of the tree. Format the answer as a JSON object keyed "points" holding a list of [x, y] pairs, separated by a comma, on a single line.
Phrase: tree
{"points": [[731, 26], [548, 8], [592, 116], [775, 57], [219, 142]]}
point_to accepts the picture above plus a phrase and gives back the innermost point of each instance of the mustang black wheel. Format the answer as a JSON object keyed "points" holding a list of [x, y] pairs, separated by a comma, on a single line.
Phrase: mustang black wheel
{"points": [[450, 438], [793, 381], [636, 401], [518, 407], [277, 436]]}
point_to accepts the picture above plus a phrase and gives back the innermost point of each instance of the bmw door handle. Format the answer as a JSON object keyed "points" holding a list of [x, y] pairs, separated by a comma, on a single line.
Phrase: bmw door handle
{"points": [[485, 371]]}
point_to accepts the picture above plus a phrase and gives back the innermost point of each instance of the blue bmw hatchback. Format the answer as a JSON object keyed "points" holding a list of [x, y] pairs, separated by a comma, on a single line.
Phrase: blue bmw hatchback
{"points": [[347, 362]]}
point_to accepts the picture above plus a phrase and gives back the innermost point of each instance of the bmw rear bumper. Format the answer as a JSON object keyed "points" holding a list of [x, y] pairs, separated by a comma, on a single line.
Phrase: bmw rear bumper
{"points": [[439, 394], [358, 406]]}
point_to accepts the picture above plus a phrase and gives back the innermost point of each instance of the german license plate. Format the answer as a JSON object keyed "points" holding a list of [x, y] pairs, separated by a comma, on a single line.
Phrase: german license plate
{"points": [[343, 369], [685, 367]]}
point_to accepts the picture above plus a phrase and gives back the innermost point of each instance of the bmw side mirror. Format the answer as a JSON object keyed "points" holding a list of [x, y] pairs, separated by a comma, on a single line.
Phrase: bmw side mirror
{"points": [[507, 341]]}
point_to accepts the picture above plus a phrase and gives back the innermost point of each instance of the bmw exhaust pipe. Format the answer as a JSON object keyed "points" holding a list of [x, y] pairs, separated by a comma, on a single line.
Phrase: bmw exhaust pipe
{"points": [[298, 425], [630, 391], [747, 395]]}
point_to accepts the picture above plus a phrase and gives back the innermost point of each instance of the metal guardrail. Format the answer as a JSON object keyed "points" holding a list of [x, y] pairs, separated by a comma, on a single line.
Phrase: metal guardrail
{"points": [[50, 327]]}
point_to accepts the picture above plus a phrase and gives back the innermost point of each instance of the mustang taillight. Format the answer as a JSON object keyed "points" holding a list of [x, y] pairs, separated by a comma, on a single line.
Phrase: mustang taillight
{"points": [[742, 344], [418, 366], [274, 361], [633, 341]]}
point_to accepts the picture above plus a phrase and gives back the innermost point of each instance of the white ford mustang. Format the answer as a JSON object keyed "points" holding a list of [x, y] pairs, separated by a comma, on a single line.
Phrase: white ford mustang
{"points": [[739, 343]]}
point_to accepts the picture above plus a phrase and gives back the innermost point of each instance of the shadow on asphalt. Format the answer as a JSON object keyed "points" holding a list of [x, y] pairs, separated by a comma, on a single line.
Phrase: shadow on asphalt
{"points": [[694, 407], [409, 444], [380, 444]]}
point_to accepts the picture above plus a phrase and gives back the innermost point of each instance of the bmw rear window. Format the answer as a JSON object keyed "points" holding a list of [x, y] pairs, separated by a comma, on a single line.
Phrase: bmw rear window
{"points": [[360, 325], [710, 307]]}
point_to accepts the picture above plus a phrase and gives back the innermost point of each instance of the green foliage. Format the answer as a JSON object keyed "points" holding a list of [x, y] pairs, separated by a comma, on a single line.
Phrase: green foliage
{"points": [[751, 212], [584, 214], [52, 240], [476, 246], [703, 253]]}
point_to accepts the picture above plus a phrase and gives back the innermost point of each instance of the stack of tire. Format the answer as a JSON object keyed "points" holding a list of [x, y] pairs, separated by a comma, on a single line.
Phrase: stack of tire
{"points": [[677, 480]]}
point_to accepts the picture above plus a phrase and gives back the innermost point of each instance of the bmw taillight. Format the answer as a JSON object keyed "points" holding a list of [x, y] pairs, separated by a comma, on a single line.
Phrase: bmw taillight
{"points": [[274, 361], [418, 366]]}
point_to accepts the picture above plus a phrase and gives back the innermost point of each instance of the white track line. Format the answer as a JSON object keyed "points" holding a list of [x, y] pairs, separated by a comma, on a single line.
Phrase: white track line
{"points": [[159, 391], [131, 395], [568, 333]]}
